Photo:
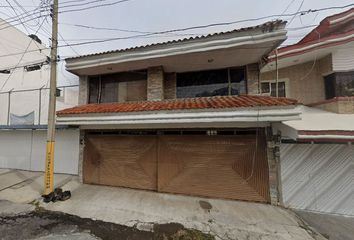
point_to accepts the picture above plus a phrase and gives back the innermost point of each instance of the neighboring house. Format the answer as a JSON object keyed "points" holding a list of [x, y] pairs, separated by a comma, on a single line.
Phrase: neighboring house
{"points": [[176, 117], [317, 155], [24, 100]]}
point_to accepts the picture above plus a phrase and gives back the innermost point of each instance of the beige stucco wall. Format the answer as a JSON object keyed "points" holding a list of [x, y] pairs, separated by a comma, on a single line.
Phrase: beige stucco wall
{"points": [[341, 106], [306, 83]]}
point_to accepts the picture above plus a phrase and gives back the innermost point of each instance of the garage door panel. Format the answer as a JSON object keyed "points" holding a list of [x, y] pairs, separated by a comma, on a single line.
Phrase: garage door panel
{"points": [[213, 166], [127, 161], [91, 163]]}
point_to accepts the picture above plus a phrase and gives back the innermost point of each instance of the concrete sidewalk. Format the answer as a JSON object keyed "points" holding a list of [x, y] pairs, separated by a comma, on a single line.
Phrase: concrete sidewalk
{"points": [[222, 218], [24, 187]]}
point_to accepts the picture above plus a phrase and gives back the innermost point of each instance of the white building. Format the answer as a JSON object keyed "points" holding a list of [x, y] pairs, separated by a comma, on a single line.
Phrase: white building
{"points": [[24, 95]]}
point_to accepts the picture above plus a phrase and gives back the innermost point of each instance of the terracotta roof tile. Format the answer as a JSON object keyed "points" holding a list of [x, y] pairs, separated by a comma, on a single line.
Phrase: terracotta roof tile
{"points": [[182, 104]]}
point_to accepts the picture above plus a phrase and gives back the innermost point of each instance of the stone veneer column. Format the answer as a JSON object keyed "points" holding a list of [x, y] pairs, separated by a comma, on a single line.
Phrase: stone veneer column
{"points": [[273, 155], [155, 84], [83, 90], [252, 74]]}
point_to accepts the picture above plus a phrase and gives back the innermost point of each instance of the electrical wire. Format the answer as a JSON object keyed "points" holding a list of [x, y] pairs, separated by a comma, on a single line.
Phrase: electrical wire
{"points": [[23, 54], [186, 29], [227, 23], [299, 10], [288, 6]]}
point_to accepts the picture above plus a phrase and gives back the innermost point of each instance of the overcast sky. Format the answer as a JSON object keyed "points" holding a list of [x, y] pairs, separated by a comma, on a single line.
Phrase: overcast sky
{"points": [[160, 15]]}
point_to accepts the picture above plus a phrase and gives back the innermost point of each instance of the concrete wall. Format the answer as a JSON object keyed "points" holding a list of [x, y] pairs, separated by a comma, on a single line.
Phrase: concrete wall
{"points": [[305, 80], [318, 177], [25, 150]]}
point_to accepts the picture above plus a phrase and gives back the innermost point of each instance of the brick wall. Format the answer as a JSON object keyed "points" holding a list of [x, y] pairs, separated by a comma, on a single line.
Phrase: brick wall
{"points": [[155, 83], [305, 80]]}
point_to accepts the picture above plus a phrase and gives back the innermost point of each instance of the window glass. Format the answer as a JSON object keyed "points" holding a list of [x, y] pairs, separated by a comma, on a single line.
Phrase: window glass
{"points": [[119, 87], [265, 87], [281, 89], [339, 85], [238, 81], [211, 83], [93, 89], [345, 84], [330, 88], [109, 90], [270, 88]]}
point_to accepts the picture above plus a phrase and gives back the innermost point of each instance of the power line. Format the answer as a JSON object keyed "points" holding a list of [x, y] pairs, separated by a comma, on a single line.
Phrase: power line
{"points": [[42, 8], [214, 24], [299, 9], [192, 28], [286, 9], [23, 54]]}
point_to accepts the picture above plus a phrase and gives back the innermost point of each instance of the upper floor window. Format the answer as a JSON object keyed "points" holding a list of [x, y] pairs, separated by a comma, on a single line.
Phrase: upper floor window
{"points": [[221, 82], [339, 84], [270, 88], [120, 87]]}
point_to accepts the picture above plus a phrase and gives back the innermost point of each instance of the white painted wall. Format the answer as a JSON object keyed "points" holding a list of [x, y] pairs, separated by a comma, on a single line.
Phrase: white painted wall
{"points": [[13, 42], [25, 150], [343, 58], [318, 177]]}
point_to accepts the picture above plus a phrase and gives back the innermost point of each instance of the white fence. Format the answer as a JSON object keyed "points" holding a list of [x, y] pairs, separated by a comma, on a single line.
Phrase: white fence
{"points": [[25, 150]]}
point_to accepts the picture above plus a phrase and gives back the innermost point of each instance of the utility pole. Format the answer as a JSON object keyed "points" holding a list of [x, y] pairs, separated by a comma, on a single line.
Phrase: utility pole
{"points": [[49, 163], [277, 74]]}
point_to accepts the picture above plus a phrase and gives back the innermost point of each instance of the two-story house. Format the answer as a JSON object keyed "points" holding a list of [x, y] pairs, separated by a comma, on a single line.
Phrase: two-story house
{"points": [[317, 155], [179, 116], [24, 97]]}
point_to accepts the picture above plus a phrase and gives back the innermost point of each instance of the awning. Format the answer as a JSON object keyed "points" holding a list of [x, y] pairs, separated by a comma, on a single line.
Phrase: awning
{"points": [[318, 125], [216, 112], [213, 51]]}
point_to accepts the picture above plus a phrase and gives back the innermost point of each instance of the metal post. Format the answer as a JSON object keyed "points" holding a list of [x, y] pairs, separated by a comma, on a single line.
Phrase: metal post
{"points": [[49, 165], [8, 109]]}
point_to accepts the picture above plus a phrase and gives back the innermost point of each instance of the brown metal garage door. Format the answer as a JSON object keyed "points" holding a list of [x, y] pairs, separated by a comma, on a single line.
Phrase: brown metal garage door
{"points": [[127, 161], [212, 166]]}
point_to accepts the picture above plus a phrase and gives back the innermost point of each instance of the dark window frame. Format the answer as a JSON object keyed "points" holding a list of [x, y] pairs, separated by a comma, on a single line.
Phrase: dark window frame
{"points": [[227, 78], [96, 93], [339, 84]]}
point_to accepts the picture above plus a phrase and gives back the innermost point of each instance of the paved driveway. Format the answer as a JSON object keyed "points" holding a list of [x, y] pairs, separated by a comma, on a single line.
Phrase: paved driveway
{"points": [[334, 227], [223, 219]]}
